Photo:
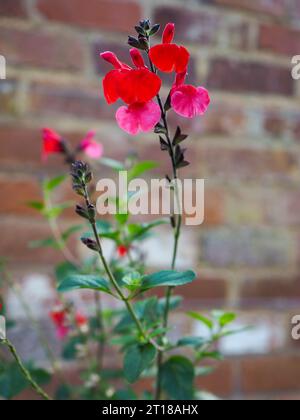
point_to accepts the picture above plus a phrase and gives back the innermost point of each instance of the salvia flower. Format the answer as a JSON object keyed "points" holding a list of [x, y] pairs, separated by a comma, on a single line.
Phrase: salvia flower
{"points": [[52, 143], [136, 87], [91, 147], [59, 317], [187, 100], [122, 251], [168, 57], [129, 84]]}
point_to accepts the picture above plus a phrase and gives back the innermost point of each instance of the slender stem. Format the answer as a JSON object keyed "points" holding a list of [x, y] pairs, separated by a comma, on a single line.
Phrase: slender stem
{"points": [[101, 330], [114, 282], [25, 371], [177, 231], [57, 234]]}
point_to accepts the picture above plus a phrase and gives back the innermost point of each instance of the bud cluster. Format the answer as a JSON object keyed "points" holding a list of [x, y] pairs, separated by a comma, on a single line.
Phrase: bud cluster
{"points": [[81, 177], [144, 31]]}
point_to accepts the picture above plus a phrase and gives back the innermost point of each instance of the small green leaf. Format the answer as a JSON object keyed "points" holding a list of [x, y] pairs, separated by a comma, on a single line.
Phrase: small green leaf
{"points": [[140, 168], [226, 319], [137, 359], [37, 205], [192, 341], [138, 232], [132, 280], [206, 321], [50, 184], [167, 278], [44, 243], [178, 376], [84, 281]]}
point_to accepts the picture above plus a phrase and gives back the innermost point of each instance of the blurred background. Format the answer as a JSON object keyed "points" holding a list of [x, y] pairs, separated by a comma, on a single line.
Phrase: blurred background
{"points": [[247, 253]]}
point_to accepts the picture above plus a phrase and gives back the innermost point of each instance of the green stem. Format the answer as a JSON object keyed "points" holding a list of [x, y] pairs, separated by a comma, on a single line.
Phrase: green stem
{"points": [[114, 282], [177, 231], [25, 371]]}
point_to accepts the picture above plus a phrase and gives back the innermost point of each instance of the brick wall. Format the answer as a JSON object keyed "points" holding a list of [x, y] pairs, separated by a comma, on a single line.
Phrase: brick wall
{"points": [[247, 148]]}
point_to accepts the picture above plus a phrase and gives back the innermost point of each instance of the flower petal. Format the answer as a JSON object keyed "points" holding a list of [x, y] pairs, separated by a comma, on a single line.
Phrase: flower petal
{"points": [[91, 147], [138, 85], [189, 101], [164, 57], [168, 34], [110, 84], [138, 117], [182, 60]]}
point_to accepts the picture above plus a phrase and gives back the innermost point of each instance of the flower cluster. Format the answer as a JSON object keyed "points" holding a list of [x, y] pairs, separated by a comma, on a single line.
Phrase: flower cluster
{"points": [[138, 86], [54, 143], [61, 317]]}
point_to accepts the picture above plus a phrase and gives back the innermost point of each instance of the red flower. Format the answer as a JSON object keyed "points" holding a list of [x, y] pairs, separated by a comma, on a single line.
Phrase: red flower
{"points": [[168, 57], [52, 143], [81, 320], [187, 100], [59, 317], [129, 84], [122, 251]]}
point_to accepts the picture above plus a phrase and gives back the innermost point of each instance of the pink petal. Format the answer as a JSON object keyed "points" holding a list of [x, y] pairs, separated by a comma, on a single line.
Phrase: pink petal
{"points": [[189, 101], [91, 147], [138, 117], [62, 332]]}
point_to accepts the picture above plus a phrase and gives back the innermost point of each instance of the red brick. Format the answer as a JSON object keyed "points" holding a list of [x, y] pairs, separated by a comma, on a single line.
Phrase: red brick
{"points": [[18, 234], [40, 49], [252, 77], [122, 15], [271, 373], [84, 102], [270, 7], [270, 289], [214, 207], [279, 39], [13, 8], [274, 124], [203, 26], [220, 382], [248, 163], [17, 193], [8, 96]]}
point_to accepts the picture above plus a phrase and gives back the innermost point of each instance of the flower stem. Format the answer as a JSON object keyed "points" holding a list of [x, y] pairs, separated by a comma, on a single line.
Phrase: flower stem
{"points": [[114, 282], [25, 371], [177, 231]]}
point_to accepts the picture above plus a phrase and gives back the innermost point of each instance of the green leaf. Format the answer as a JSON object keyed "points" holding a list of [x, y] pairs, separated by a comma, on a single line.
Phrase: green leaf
{"points": [[132, 280], [41, 376], [206, 321], [12, 381], [113, 164], [84, 281], [64, 270], [140, 168], [192, 341], [178, 376], [37, 205], [63, 393], [44, 243], [138, 232], [69, 351], [226, 319], [167, 278], [50, 184], [137, 359]]}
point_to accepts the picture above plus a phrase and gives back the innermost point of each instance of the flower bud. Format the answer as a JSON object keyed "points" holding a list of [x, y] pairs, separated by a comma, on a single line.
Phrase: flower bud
{"points": [[90, 243], [81, 211]]}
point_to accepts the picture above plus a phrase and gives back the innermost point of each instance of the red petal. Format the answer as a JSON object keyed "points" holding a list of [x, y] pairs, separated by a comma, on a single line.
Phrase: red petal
{"points": [[164, 56], [138, 85], [182, 59], [110, 83], [169, 33]]}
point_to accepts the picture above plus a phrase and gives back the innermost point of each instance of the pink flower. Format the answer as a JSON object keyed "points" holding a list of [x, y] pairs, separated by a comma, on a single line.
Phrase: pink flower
{"points": [[138, 117], [91, 147], [187, 100]]}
